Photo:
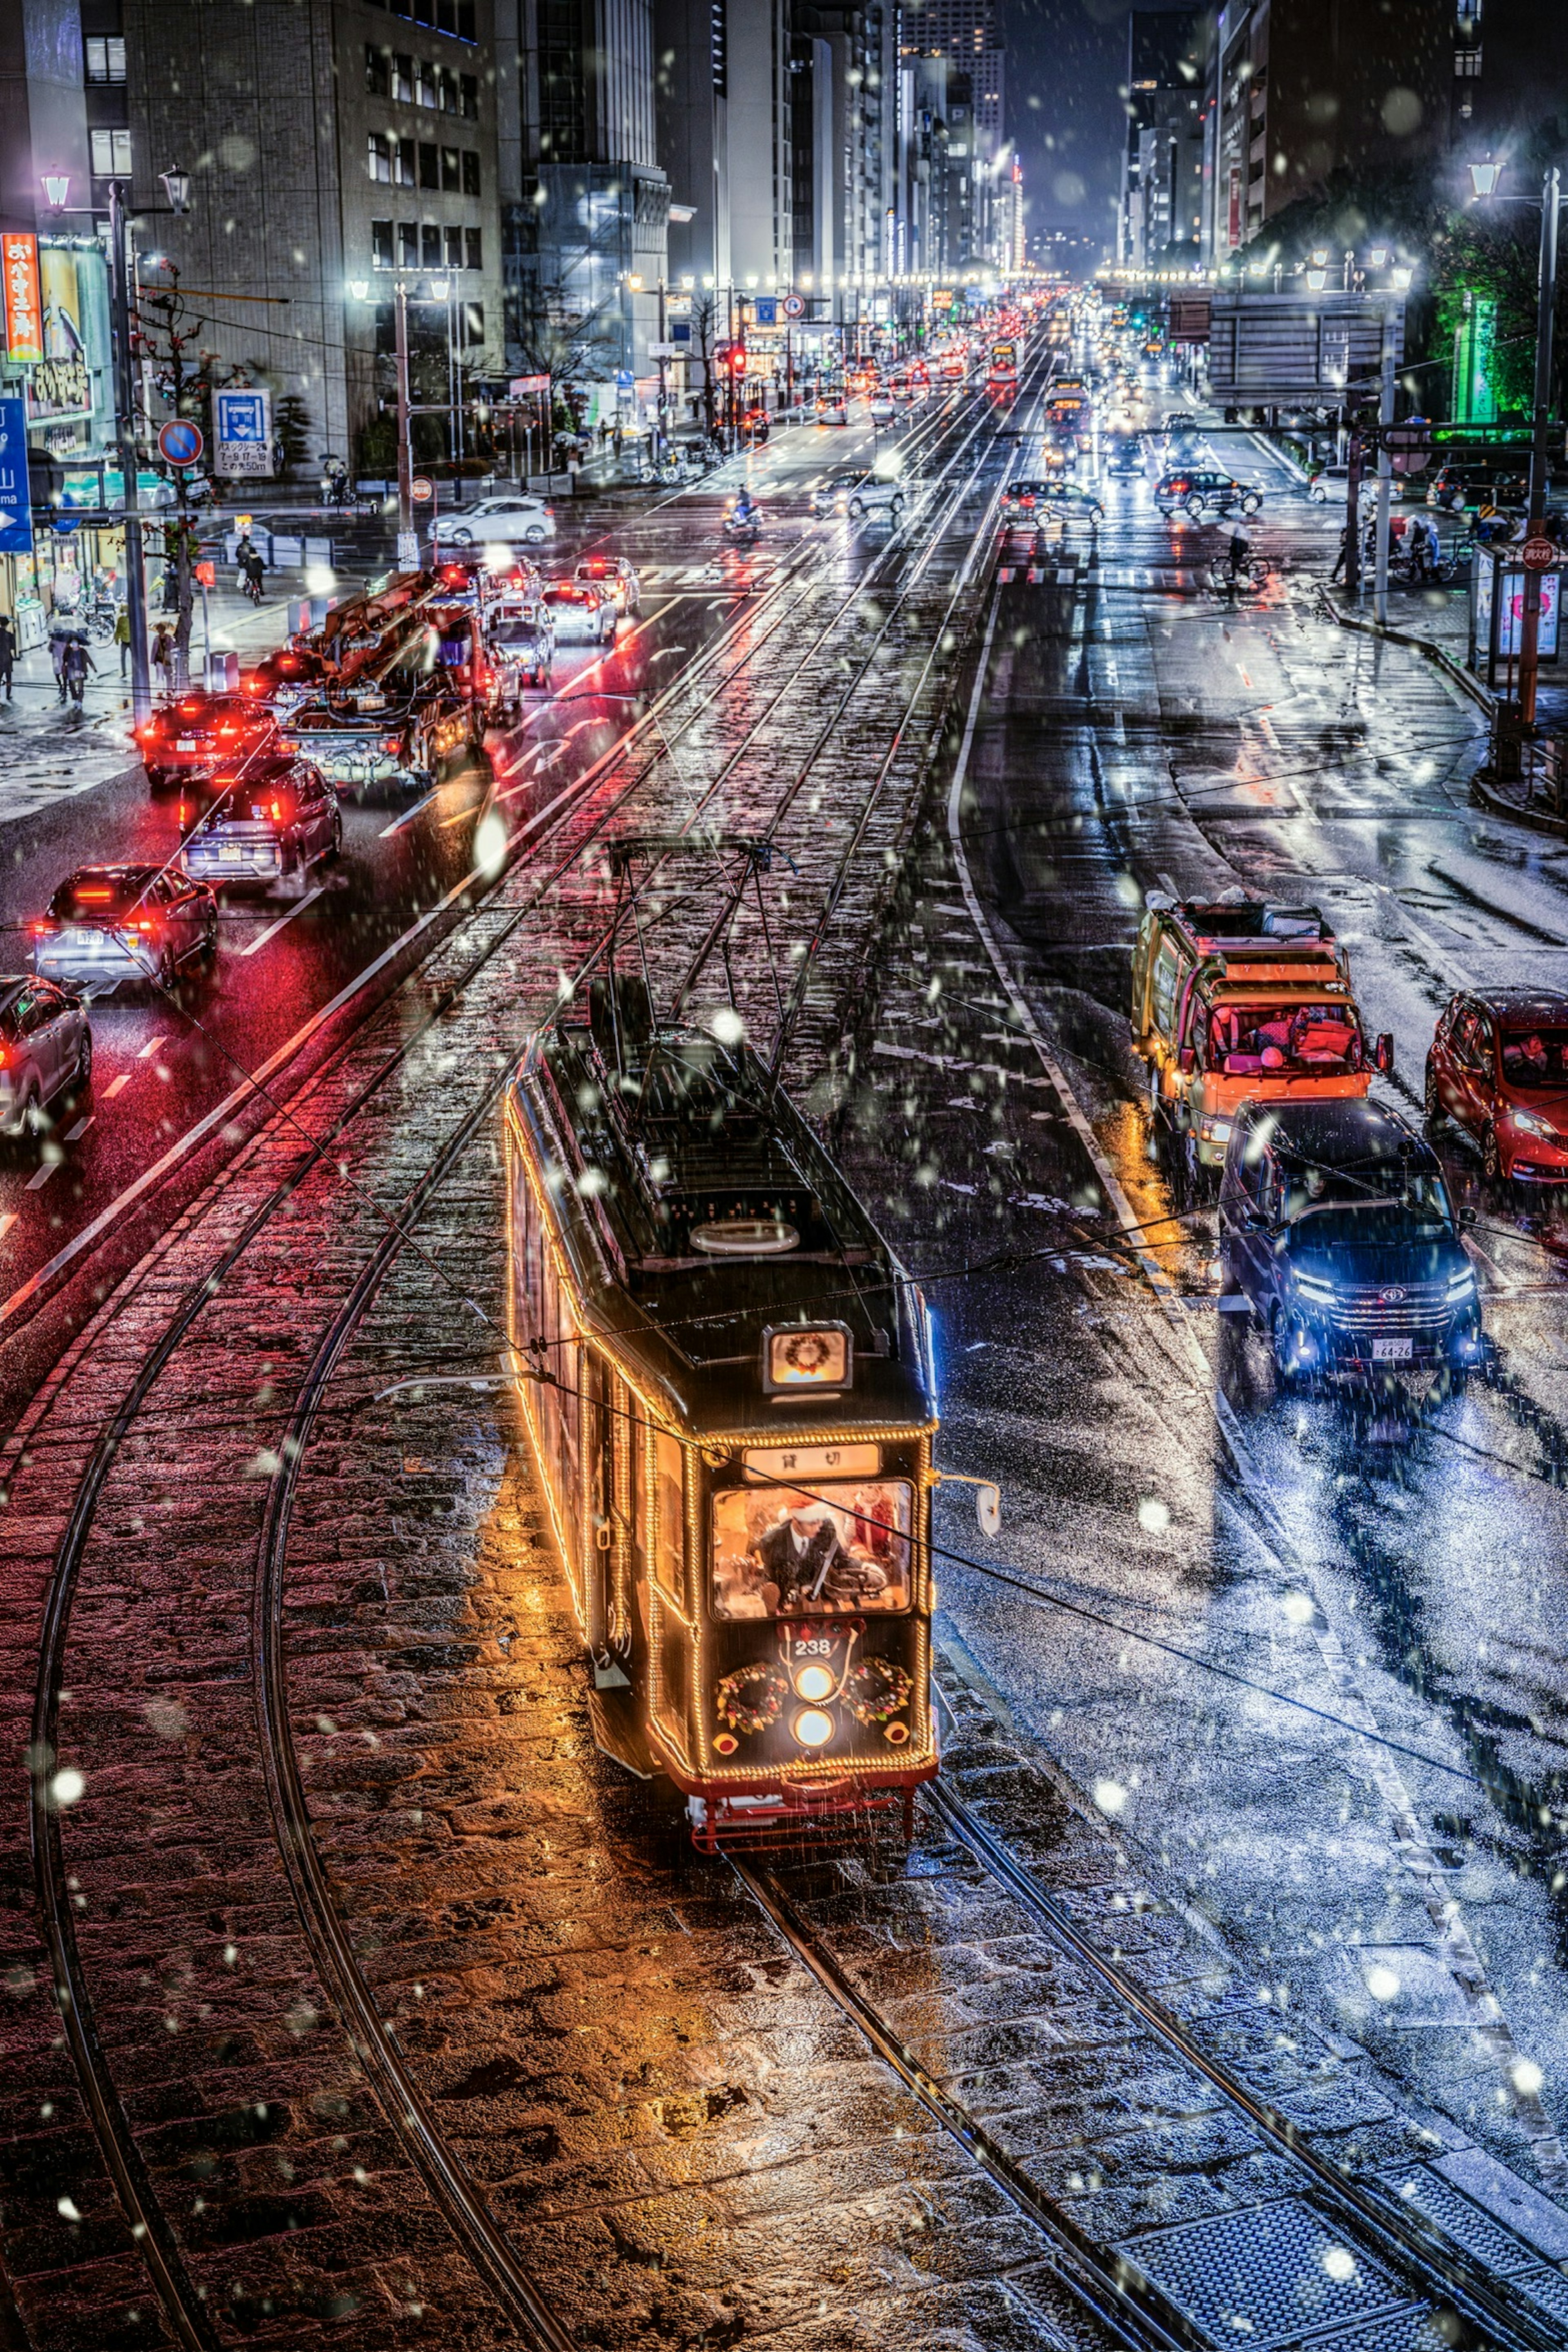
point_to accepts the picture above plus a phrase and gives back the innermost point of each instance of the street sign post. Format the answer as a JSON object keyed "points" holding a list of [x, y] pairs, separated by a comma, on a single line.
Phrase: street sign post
{"points": [[421, 489], [15, 516], [1538, 555], [242, 429]]}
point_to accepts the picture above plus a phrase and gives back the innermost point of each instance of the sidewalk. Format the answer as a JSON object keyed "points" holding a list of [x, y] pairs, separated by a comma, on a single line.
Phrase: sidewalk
{"points": [[49, 753], [1436, 621]]}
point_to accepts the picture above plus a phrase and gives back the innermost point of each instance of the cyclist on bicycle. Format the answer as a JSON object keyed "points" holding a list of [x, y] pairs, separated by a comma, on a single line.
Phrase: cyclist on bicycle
{"points": [[1238, 557]]}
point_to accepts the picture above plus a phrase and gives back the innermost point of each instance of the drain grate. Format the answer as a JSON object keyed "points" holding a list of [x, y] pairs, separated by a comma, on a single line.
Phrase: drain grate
{"points": [[1400, 2331], [1549, 2288], [1265, 2276], [1463, 2220]]}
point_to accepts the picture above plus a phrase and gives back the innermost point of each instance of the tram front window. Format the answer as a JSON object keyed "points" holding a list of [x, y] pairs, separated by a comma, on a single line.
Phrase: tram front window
{"points": [[782, 1552]]}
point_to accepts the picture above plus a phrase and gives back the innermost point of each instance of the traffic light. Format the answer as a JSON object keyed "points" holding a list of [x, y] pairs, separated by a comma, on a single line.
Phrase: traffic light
{"points": [[732, 356]]}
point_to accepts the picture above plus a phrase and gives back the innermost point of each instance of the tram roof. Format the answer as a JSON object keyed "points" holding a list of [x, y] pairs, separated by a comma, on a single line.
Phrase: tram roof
{"points": [[670, 1157]]}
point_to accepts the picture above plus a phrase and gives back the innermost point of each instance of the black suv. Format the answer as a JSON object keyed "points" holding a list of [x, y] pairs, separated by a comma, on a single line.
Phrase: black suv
{"points": [[1200, 492], [1337, 1230]]}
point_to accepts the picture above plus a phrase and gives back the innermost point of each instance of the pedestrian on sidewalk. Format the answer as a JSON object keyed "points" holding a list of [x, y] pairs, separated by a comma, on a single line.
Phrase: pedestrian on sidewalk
{"points": [[76, 664], [1341, 560], [59, 638], [163, 655], [8, 652], [122, 636]]}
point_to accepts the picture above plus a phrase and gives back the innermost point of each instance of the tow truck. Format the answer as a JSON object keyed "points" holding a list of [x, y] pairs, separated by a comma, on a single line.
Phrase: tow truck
{"points": [[1238, 999], [399, 690]]}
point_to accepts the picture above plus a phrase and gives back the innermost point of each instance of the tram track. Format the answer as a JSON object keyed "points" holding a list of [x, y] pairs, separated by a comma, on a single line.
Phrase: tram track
{"points": [[1382, 2238], [120, 1433]]}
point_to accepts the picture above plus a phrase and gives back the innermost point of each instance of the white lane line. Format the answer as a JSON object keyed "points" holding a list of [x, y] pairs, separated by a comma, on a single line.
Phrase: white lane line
{"points": [[117, 1086], [1454, 1945], [1443, 960], [410, 813], [75, 1132], [6, 1221], [272, 929], [151, 1047]]}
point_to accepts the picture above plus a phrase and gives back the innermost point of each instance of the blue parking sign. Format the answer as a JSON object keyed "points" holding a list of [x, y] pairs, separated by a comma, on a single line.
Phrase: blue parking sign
{"points": [[241, 415], [767, 310], [15, 518]]}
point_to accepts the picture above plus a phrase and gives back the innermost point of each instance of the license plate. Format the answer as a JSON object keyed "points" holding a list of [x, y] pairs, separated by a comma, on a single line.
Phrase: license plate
{"points": [[1392, 1351], [230, 856], [184, 743]]}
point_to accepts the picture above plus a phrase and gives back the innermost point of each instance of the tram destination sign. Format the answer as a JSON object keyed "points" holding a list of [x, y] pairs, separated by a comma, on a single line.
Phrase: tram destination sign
{"points": [[789, 1465]]}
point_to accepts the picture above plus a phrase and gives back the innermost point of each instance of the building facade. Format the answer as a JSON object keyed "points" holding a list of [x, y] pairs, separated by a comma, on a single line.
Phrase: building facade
{"points": [[586, 216], [1301, 89], [1161, 216]]}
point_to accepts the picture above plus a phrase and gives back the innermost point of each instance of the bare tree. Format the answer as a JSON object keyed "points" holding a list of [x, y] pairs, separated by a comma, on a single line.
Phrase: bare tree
{"points": [[167, 334]]}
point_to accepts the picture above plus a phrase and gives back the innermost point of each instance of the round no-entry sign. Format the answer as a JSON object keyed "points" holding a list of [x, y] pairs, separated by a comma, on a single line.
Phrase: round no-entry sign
{"points": [[181, 441], [1538, 555], [420, 488]]}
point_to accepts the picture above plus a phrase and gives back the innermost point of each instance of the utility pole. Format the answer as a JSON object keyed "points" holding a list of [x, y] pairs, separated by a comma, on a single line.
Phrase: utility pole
{"points": [[125, 435], [1384, 474], [1530, 619], [407, 539]]}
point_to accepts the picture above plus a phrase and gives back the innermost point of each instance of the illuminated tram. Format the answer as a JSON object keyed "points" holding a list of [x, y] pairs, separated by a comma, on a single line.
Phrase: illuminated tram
{"points": [[729, 1388], [1001, 372]]}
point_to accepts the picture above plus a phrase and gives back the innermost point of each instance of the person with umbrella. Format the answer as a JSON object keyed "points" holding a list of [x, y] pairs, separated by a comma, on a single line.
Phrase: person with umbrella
{"points": [[74, 664]]}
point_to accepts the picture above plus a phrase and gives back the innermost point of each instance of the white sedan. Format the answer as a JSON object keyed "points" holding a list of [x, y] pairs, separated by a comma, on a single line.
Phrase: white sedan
{"points": [[502, 521]]}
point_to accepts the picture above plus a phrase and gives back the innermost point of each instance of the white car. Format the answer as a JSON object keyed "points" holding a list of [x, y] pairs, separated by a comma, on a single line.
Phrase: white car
{"points": [[581, 613], [884, 409], [504, 521]]}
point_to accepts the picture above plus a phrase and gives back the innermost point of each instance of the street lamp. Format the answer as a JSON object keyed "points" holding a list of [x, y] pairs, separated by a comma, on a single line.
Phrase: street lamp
{"points": [[1486, 178], [177, 188], [58, 188]]}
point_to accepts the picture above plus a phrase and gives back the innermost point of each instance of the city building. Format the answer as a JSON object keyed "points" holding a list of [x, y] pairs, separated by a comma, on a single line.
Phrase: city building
{"points": [[1159, 217], [1301, 89], [331, 150], [968, 33], [586, 203]]}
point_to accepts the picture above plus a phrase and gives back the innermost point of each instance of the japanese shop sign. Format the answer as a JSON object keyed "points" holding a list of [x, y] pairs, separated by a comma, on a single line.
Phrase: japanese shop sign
{"points": [[23, 305]]}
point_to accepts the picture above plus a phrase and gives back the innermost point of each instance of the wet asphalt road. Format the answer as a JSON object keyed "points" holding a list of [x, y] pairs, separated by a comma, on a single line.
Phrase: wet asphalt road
{"points": [[1403, 1576], [173, 1091]]}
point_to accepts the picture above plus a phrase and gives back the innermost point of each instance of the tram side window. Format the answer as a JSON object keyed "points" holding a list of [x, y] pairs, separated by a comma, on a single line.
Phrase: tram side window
{"points": [[667, 1514]]}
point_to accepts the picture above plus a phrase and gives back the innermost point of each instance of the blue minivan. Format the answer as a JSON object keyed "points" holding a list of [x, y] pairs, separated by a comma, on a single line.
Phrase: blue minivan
{"points": [[1337, 1232]]}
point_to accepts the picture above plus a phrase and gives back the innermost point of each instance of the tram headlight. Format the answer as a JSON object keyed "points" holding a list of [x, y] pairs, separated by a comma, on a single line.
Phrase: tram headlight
{"points": [[814, 1682], [812, 1728]]}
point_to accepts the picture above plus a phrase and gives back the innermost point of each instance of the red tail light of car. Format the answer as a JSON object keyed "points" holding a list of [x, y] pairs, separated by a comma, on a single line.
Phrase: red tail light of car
{"points": [[43, 930], [393, 743]]}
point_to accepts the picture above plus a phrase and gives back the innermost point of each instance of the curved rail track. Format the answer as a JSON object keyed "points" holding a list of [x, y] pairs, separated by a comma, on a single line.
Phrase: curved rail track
{"points": [[259, 1204]]}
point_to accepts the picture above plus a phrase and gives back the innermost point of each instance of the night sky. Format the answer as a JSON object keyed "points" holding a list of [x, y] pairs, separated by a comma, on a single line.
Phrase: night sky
{"points": [[1066, 59]]}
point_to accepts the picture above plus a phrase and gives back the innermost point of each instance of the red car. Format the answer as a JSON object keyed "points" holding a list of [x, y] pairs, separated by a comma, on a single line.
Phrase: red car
{"points": [[198, 731], [1499, 1068]]}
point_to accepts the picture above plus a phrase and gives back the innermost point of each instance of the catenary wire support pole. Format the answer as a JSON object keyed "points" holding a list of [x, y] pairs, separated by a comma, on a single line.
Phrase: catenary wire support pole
{"points": [[407, 543], [1530, 619], [1384, 471], [125, 435]]}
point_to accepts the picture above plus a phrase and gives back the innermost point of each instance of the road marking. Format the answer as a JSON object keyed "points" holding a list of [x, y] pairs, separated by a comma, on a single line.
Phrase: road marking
{"points": [[1444, 961], [142, 1052], [410, 813], [41, 1175], [116, 1086], [6, 1221], [273, 929], [76, 1131]]}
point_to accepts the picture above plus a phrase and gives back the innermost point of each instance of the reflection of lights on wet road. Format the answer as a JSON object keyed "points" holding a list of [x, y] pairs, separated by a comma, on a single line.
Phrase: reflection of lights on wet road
{"points": [[489, 844]]}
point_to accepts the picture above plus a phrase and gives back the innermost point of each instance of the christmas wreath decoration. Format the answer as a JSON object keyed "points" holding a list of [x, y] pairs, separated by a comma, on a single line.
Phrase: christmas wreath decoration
{"points": [[750, 1699], [878, 1689]]}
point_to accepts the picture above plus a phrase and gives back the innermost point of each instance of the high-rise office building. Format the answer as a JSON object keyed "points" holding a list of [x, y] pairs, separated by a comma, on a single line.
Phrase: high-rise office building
{"points": [[329, 145], [587, 203], [968, 33]]}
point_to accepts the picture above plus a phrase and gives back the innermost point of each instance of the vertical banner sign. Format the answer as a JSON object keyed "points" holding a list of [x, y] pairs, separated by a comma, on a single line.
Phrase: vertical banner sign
{"points": [[15, 518], [242, 432], [24, 307], [1474, 401]]}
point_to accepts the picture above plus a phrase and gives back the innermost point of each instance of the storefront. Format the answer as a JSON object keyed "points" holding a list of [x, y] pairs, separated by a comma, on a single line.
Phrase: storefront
{"points": [[57, 363]]}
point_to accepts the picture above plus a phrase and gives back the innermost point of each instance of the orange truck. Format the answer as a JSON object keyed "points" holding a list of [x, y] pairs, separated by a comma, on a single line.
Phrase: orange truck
{"points": [[1240, 1001]]}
